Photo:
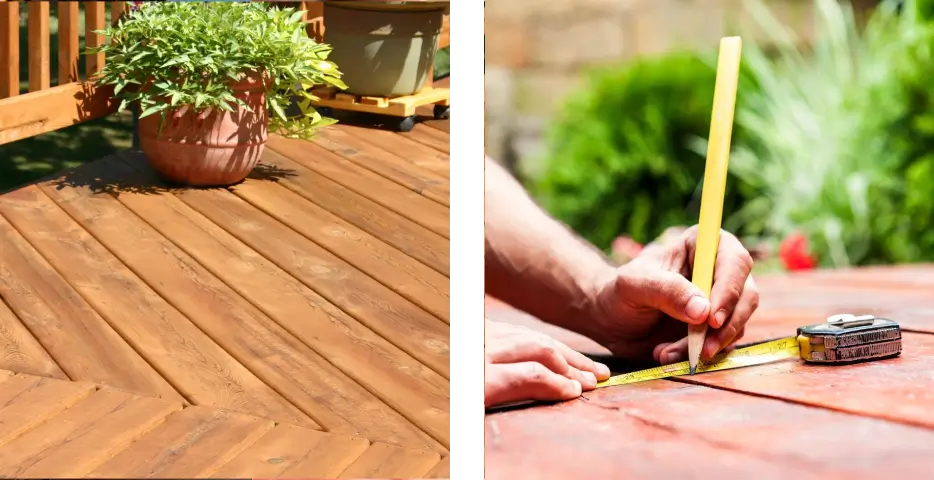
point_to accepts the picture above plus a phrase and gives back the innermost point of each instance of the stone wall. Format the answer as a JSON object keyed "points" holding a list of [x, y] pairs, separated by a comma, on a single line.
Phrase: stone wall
{"points": [[536, 49]]}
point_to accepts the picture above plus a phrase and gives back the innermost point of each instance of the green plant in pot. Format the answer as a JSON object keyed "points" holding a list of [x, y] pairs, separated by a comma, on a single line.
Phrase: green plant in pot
{"points": [[211, 80]]}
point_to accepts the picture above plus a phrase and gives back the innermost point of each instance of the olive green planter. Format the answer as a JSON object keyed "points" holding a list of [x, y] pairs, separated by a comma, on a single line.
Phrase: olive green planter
{"points": [[385, 49]]}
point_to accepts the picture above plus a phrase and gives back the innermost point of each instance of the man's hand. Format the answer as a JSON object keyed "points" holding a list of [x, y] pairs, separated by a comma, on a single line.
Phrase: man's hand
{"points": [[522, 364], [643, 307]]}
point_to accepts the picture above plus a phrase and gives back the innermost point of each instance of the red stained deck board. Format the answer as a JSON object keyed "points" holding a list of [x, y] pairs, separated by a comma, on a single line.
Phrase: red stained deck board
{"points": [[666, 429]]}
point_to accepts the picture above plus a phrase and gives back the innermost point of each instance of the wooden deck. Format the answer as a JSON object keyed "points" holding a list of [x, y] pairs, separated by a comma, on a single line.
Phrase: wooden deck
{"points": [[781, 420], [167, 332]]}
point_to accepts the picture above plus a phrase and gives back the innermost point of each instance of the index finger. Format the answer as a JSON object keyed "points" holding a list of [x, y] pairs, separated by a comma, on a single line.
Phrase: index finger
{"points": [[731, 269]]}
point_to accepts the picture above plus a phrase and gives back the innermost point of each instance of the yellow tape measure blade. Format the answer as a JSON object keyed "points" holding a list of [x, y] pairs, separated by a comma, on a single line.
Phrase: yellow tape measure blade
{"points": [[744, 357]]}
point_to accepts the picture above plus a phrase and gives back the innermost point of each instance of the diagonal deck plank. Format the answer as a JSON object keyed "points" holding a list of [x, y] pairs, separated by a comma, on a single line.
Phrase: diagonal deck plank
{"points": [[19, 349], [414, 281], [291, 452], [430, 137], [80, 341], [84, 436], [413, 240], [415, 153], [27, 401], [414, 390], [441, 470], [189, 359], [402, 201], [193, 443], [385, 461], [302, 376], [418, 333], [386, 164]]}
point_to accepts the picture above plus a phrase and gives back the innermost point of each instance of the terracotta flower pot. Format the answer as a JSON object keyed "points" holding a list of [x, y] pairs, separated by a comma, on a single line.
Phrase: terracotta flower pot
{"points": [[213, 148]]}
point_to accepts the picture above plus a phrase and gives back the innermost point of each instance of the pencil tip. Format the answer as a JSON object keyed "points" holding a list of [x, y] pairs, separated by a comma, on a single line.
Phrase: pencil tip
{"points": [[693, 369]]}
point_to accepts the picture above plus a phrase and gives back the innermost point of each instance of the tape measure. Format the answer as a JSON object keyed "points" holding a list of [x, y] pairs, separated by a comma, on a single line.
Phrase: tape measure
{"points": [[842, 339]]}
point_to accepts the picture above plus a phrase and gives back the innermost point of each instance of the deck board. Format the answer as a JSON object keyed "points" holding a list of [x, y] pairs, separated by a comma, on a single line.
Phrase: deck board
{"points": [[83, 344], [284, 326]]}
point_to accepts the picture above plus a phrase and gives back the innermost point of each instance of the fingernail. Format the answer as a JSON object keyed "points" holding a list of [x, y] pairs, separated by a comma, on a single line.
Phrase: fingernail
{"points": [[720, 318], [602, 371], [590, 378], [710, 347], [576, 389], [696, 307], [673, 357]]}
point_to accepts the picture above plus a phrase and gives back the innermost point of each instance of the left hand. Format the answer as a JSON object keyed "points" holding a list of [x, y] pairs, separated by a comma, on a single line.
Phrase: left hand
{"points": [[643, 309]]}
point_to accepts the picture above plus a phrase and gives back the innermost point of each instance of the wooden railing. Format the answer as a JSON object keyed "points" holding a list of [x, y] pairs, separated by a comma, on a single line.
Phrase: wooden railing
{"points": [[73, 99]]}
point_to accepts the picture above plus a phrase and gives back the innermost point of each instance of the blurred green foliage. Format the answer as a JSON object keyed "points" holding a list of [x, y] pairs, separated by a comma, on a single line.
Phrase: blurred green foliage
{"points": [[835, 140], [620, 157]]}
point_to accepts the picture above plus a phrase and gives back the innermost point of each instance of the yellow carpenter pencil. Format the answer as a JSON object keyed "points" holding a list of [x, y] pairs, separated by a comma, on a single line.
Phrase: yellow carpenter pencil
{"points": [[718, 155]]}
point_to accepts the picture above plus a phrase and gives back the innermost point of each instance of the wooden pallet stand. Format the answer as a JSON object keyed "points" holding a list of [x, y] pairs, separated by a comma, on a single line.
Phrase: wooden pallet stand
{"points": [[404, 106]]}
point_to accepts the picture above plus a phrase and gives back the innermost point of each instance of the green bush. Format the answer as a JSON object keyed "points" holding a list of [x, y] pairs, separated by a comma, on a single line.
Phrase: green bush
{"points": [[619, 154], [832, 156]]}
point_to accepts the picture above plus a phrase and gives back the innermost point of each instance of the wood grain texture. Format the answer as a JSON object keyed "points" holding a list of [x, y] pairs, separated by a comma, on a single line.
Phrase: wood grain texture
{"points": [[50, 109], [373, 304], [391, 166], [441, 470], [20, 352], [417, 283], [385, 461], [84, 436], [416, 242], [430, 137], [402, 201], [416, 153], [192, 443], [39, 43], [292, 452], [202, 371], [397, 379], [9, 49], [654, 423], [85, 346], [27, 401], [94, 19], [302, 376], [67, 42]]}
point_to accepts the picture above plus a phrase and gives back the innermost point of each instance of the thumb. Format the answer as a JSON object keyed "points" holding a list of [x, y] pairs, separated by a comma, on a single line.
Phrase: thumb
{"points": [[672, 294]]}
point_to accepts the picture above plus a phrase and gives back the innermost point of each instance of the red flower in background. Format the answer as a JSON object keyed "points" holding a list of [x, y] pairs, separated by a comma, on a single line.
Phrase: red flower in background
{"points": [[625, 249], [795, 254]]}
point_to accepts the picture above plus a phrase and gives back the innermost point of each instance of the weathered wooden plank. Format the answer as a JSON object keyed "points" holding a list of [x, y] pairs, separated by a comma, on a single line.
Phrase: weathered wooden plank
{"points": [[368, 217], [729, 435], [385, 461], [376, 306], [192, 443], [39, 64], [84, 436], [67, 42], [94, 19], [27, 401], [201, 370], [389, 165], [20, 352], [292, 452], [414, 390], [412, 151], [9, 50], [363, 182], [85, 346]]}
